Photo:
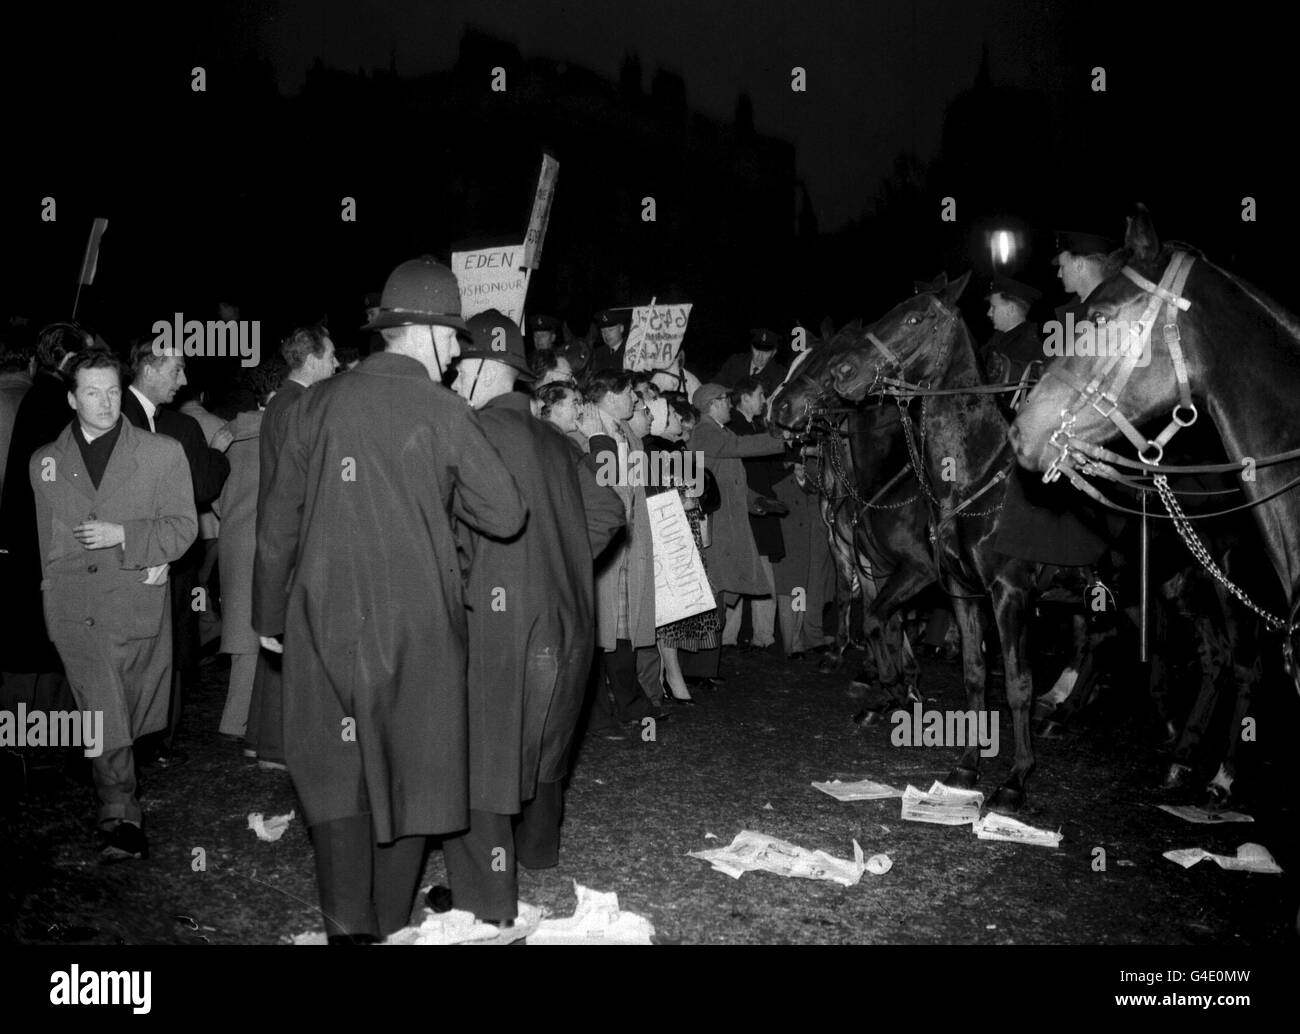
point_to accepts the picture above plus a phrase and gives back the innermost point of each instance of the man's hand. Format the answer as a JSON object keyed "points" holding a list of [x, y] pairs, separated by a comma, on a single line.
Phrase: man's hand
{"points": [[156, 575], [589, 420], [99, 534], [222, 439], [272, 643]]}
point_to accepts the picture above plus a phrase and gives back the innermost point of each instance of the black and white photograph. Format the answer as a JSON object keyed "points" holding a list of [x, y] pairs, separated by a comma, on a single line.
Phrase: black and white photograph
{"points": [[480, 473]]}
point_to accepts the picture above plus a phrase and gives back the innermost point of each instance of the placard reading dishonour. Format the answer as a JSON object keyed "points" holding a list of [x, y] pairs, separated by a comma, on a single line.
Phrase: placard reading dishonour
{"points": [[655, 336], [491, 278], [681, 584]]}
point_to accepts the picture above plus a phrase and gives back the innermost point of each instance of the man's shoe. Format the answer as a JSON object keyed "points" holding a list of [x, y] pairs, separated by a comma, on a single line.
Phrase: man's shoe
{"points": [[439, 898], [124, 842]]}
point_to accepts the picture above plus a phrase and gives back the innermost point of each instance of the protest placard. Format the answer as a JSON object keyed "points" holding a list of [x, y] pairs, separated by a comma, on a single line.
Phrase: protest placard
{"points": [[491, 278], [541, 212], [655, 336], [681, 584]]}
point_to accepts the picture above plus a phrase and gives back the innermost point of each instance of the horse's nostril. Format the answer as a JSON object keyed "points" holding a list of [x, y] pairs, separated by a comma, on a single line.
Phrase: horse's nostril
{"points": [[1013, 436]]}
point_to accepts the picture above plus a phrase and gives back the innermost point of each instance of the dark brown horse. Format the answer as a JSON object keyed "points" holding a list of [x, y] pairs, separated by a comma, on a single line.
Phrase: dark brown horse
{"points": [[873, 511], [961, 457], [1184, 337]]}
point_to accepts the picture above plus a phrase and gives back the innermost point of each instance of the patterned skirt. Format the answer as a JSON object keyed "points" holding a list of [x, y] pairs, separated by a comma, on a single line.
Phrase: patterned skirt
{"points": [[699, 631]]}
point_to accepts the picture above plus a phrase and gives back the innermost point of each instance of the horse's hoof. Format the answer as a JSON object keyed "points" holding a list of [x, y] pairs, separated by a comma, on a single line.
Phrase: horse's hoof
{"points": [[1007, 800], [1176, 777], [962, 778]]}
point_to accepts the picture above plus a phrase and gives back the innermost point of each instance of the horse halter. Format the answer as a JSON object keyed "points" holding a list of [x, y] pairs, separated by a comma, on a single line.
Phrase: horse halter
{"points": [[1121, 365], [883, 385]]}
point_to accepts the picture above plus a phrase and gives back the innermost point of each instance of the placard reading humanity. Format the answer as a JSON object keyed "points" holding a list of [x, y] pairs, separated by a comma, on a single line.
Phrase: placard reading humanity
{"points": [[681, 585], [655, 336], [491, 278]]}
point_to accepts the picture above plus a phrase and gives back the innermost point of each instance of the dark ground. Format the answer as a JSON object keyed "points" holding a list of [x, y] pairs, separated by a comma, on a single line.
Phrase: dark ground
{"points": [[636, 808]]}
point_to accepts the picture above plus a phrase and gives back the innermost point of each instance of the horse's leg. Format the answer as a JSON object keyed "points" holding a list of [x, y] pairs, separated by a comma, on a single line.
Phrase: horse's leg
{"points": [[1243, 639], [904, 582], [970, 620], [1010, 609]]}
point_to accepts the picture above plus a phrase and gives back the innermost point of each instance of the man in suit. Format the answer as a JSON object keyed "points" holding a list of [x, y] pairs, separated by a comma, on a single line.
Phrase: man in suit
{"points": [[759, 362], [358, 569], [531, 602], [157, 374], [748, 401], [114, 507], [310, 357]]}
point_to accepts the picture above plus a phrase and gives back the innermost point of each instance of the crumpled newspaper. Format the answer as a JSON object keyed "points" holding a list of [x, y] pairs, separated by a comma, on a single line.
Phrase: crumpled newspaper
{"points": [[751, 852], [271, 829], [1003, 827], [943, 805], [460, 927], [861, 790], [1249, 858], [1199, 815], [597, 919]]}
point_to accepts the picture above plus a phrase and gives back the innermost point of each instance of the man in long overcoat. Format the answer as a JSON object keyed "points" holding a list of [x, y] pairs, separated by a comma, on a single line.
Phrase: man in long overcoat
{"points": [[308, 353], [114, 507], [357, 566], [734, 563], [531, 602]]}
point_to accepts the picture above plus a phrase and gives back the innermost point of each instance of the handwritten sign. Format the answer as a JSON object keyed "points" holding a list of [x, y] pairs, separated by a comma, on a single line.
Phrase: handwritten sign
{"points": [[681, 584], [655, 336], [541, 212], [490, 279]]}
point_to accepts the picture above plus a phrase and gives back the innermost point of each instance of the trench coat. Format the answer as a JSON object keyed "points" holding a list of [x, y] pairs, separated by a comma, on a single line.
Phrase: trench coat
{"points": [[632, 552], [531, 603], [760, 475], [24, 644], [237, 545], [733, 557], [357, 566], [113, 631], [805, 541]]}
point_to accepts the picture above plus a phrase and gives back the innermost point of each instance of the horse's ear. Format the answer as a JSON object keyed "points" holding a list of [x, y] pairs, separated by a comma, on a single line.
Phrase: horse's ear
{"points": [[828, 328], [950, 293], [1140, 238]]}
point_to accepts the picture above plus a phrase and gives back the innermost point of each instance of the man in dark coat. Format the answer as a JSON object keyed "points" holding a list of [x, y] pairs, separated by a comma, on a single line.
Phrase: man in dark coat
{"points": [[156, 376], [759, 362], [531, 602], [308, 353], [748, 400], [358, 568], [609, 354], [1054, 524], [1015, 344], [30, 664]]}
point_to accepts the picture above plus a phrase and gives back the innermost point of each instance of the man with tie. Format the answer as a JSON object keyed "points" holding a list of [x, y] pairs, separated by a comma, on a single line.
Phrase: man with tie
{"points": [[157, 374], [114, 507]]}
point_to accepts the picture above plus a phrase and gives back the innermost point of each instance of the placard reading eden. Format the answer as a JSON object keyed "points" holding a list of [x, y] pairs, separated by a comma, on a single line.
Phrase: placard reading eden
{"points": [[491, 278], [655, 336]]}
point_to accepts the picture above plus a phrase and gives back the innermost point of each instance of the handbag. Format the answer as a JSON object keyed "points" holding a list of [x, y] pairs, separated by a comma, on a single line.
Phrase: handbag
{"points": [[711, 499]]}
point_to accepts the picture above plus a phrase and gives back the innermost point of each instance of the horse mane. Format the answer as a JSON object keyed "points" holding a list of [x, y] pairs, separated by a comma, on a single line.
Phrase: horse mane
{"points": [[1278, 313]]}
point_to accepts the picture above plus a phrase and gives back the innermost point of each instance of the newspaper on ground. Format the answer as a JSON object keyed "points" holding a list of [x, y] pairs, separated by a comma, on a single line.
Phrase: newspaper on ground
{"points": [[861, 790], [1197, 814], [942, 805], [271, 829], [758, 852], [1003, 827], [460, 927], [1249, 858], [597, 919]]}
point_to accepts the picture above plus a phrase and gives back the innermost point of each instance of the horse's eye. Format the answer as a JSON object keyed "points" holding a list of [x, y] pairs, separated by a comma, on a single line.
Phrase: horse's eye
{"points": [[1097, 317], [912, 321]]}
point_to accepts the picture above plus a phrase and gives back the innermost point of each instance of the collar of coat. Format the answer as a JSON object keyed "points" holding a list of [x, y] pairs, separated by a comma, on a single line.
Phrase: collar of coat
{"points": [[122, 464], [515, 400]]}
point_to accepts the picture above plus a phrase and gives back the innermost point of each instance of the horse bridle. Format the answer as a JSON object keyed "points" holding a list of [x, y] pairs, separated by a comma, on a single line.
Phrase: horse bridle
{"points": [[1105, 400]]}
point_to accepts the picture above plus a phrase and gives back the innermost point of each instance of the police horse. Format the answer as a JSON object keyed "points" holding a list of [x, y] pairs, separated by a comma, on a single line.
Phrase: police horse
{"points": [[959, 454], [1183, 335], [874, 515]]}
